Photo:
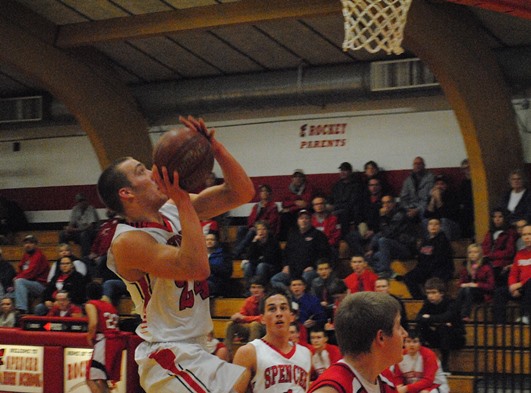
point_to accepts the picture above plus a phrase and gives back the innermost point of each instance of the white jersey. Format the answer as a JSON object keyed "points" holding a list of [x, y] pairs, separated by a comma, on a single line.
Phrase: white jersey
{"points": [[279, 373], [170, 310]]}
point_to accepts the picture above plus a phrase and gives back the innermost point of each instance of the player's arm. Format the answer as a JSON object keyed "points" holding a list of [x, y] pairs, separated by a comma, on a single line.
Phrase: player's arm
{"points": [[237, 188], [137, 252], [92, 315], [246, 357]]}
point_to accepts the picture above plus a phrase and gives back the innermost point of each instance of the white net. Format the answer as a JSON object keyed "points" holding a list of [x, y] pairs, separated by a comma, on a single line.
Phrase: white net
{"points": [[375, 25]]}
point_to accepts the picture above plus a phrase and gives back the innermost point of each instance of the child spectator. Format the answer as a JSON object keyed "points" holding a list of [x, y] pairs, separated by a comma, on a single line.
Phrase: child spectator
{"points": [[420, 370], [247, 324], [499, 246], [476, 281], [8, 314], [439, 322], [220, 266], [362, 278], [519, 226], [323, 354], [434, 260], [321, 286], [63, 307], [382, 285]]}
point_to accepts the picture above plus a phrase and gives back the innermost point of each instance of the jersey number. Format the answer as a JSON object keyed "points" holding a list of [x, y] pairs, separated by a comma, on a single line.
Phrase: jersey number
{"points": [[187, 298]]}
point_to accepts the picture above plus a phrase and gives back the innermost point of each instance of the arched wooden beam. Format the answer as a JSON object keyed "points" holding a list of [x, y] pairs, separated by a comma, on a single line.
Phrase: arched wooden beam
{"points": [[446, 37], [103, 106]]}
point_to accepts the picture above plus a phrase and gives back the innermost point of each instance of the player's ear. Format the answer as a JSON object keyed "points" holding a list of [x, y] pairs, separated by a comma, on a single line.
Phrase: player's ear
{"points": [[291, 317], [125, 193]]}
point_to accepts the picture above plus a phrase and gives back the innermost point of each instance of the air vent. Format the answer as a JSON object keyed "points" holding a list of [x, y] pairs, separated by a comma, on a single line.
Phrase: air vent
{"points": [[400, 75], [13, 110]]}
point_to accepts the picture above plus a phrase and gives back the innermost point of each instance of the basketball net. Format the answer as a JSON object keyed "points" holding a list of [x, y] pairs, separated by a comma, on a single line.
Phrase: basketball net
{"points": [[375, 25]]}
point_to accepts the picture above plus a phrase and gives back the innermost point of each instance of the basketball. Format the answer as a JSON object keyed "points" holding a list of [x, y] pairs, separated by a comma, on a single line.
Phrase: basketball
{"points": [[189, 153]]}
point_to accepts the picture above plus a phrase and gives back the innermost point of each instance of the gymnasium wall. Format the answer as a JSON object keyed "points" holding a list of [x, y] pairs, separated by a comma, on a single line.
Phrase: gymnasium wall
{"points": [[51, 167]]}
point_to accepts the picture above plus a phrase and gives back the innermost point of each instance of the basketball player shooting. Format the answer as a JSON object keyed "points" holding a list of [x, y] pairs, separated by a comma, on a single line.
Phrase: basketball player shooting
{"points": [[160, 254]]}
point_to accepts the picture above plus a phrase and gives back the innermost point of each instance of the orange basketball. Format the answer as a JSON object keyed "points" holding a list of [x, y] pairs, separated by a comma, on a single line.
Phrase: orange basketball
{"points": [[189, 153]]}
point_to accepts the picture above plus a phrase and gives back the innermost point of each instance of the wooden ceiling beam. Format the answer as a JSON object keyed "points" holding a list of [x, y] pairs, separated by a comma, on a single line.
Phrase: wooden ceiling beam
{"points": [[168, 22]]}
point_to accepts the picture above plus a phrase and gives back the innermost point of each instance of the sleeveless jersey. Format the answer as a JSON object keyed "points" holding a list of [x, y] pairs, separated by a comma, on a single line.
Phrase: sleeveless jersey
{"points": [[279, 373], [170, 310], [342, 378], [107, 316]]}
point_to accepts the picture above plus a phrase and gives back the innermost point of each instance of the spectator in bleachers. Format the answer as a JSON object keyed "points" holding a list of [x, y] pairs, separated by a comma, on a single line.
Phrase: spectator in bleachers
{"points": [[63, 307], [7, 274], [31, 277], [517, 201], [220, 266], [324, 354], [434, 260], [246, 324], [476, 281], [519, 226], [8, 314], [382, 285], [322, 285], [358, 239], [396, 239], [310, 313], [305, 245], [81, 228], [415, 193], [438, 321], [420, 370], [326, 222], [264, 256], [362, 278], [265, 210], [298, 198], [295, 336], [12, 220], [67, 279], [518, 286], [444, 205], [65, 250], [102, 241], [345, 200], [499, 245], [373, 171], [466, 202], [216, 347]]}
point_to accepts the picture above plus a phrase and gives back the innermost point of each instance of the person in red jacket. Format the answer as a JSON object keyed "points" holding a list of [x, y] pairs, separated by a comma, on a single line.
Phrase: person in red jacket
{"points": [[32, 275], [63, 306], [419, 370], [476, 281], [499, 245], [519, 284], [104, 335], [323, 354], [371, 338], [326, 222], [297, 198], [246, 325], [362, 278]]}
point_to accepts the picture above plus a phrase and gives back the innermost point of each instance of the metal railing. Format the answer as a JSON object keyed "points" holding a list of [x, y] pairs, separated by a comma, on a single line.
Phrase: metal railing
{"points": [[502, 352]]}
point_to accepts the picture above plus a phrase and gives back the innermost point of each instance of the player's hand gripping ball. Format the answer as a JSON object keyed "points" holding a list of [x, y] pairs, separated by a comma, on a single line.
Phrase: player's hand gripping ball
{"points": [[189, 153]]}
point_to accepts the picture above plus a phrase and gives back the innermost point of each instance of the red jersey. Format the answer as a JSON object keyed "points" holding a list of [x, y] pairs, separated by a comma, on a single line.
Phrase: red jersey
{"points": [[107, 317], [521, 268], [341, 377]]}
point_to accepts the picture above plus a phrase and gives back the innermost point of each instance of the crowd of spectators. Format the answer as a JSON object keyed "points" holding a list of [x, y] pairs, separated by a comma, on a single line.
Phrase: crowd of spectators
{"points": [[295, 246]]}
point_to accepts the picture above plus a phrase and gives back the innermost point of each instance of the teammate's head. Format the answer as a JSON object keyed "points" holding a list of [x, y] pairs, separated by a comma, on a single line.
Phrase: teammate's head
{"points": [[364, 317], [110, 181], [94, 290]]}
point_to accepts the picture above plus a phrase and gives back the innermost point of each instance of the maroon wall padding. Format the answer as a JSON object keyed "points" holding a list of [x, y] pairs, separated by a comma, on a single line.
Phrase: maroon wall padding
{"points": [[53, 369]]}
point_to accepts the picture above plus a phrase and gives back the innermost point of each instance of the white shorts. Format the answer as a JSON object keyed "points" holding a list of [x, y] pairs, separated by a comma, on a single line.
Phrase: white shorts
{"points": [[175, 367], [97, 365]]}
